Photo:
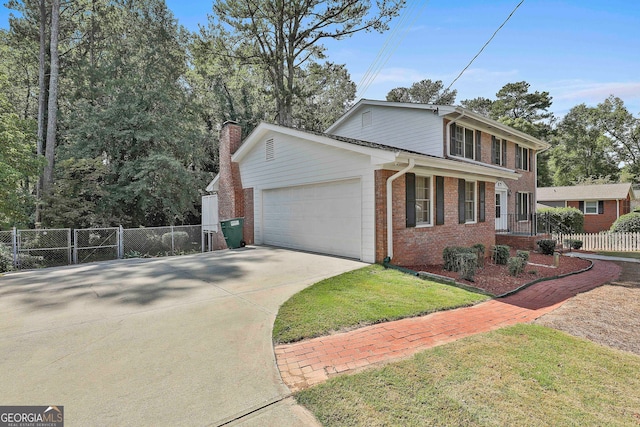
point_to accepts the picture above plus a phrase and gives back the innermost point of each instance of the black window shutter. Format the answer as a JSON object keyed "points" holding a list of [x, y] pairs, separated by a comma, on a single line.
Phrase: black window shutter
{"points": [[494, 150], [481, 204], [532, 208], [478, 145], [581, 206], [411, 199], [504, 152], [439, 200], [461, 198], [600, 207], [452, 142], [530, 160], [518, 211]]}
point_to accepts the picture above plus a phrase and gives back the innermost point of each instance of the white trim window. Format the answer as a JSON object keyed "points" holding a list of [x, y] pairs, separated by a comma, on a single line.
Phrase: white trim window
{"points": [[470, 201], [498, 151], [424, 200], [523, 205], [522, 158], [463, 142], [591, 207]]}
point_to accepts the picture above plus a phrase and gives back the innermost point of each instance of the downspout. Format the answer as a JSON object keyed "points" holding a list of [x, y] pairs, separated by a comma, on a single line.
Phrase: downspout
{"points": [[447, 142], [390, 180]]}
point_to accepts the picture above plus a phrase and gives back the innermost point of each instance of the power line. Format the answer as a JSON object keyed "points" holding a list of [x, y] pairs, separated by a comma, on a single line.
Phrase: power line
{"points": [[485, 45], [390, 46]]}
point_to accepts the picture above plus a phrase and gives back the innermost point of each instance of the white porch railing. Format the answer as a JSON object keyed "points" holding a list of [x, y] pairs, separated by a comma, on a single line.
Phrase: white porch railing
{"points": [[614, 242]]}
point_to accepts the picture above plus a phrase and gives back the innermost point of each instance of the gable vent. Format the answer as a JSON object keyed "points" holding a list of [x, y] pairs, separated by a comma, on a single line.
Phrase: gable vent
{"points": [[366, 119], [270, 150]]}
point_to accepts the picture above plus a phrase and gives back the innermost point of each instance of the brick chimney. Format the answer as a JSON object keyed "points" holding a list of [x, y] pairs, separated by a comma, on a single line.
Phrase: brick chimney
{"points": [[230, 195]]}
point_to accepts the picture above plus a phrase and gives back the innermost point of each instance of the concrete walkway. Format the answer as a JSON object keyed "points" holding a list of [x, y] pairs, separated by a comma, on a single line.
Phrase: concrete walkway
{"points": [[310, 362], [601, 257]]}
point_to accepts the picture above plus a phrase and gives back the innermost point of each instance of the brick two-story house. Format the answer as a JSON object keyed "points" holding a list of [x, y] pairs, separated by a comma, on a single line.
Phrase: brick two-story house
{"points": [[394, 180]]}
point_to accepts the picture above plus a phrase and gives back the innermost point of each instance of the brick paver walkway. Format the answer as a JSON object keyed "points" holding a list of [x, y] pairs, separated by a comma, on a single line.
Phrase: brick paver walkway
{"points": [[306, 363]]}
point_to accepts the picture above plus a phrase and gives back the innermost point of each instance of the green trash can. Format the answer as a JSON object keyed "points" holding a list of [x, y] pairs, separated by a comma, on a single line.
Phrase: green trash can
{"points": [[232, 232]]}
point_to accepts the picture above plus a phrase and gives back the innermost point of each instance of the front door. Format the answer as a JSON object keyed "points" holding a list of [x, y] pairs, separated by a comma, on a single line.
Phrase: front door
{"points": [[501, 210]]}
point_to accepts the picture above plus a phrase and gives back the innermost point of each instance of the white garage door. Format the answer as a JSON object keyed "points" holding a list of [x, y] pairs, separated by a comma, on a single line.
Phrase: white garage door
{"points": [[323, 218]]}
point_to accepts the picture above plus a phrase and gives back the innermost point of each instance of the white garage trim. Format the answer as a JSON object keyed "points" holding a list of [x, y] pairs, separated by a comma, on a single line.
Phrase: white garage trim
{"points": [[323, 217]]}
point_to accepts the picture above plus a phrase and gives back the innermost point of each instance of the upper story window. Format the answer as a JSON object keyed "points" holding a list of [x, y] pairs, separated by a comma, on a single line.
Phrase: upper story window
{"points": [[522, 158], [463, 142], [498, 151]]}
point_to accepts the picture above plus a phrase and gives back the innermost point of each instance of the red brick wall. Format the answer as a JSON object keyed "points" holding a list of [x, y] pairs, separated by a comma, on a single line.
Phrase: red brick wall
{"points": [[424, 245], [595, 223], [247, 231], [525, 184], [233, 200]]}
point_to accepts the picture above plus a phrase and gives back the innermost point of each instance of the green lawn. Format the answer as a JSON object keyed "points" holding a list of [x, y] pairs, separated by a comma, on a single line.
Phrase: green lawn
{"points": [[524, 375], [363, 297], [635, 255]]}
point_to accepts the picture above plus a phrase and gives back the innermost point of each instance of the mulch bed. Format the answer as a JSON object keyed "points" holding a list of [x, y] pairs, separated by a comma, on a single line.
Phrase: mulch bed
{"points": [[496, 279]]}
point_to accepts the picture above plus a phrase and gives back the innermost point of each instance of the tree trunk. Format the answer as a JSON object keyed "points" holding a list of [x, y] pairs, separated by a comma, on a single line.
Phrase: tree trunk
{"points": [[42, 99], [52, 110]]}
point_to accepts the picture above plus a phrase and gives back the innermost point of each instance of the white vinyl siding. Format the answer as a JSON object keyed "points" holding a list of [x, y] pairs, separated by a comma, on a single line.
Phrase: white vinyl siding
{"points": [[302, 162], [415, 130]]}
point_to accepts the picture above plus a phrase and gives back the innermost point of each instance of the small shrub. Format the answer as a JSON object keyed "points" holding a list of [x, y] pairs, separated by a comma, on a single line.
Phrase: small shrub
{"points": [[560, 220], [524, 255], [516, 265], [450, 256], [629, 223], [547, 246], [6, 259], [573, 243], [480, 251], [94, 239], [467, 263], [501, 254]]}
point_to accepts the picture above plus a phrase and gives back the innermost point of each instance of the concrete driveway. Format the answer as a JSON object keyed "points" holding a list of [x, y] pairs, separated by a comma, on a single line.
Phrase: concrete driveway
{"points": [[168, 341]]}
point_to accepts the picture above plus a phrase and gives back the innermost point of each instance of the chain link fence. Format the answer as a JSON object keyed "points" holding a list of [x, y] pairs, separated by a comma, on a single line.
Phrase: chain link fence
{"points": [[96, 244], [43, 248], [27, 249], [161, 241], [7, 254]]}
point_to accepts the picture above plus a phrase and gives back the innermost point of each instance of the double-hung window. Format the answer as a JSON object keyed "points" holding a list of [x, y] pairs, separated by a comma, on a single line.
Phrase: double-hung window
{"points": [[592, 207], [498, 151], [522, 158], [523, 206], [470, 201], [463, 142], [423, 200]]}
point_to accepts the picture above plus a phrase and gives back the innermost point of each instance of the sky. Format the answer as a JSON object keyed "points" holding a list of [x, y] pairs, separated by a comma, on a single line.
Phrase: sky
{"points": [[580, 51]]}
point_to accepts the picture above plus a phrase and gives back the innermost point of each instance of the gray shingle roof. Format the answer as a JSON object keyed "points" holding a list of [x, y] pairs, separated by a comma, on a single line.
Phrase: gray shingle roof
{"points": [[584, 192]]}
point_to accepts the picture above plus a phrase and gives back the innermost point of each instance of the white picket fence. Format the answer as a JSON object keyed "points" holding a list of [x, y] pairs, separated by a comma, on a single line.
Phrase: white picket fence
{"points": [[614, 242]]}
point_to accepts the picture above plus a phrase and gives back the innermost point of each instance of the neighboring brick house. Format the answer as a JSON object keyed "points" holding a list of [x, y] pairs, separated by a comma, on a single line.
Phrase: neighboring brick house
{"points": [[455, 177], [601, 204]]}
